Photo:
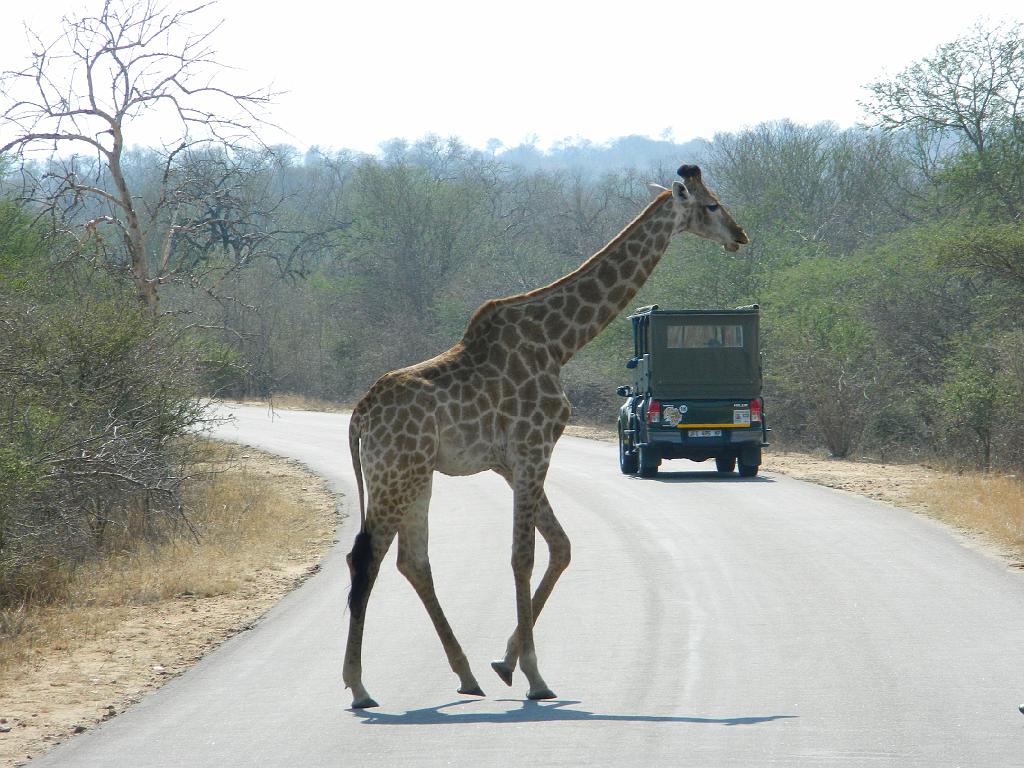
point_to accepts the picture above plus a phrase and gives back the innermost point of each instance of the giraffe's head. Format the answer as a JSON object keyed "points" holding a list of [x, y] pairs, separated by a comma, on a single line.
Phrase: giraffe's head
{"points": [[699, 212]]}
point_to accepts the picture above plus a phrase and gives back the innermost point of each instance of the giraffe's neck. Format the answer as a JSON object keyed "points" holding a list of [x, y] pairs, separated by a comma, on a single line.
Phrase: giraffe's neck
{"points": [[578, 306]]}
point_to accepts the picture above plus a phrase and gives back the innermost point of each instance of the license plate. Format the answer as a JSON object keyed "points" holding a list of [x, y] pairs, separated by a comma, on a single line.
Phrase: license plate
{"points": [[705, 433]]}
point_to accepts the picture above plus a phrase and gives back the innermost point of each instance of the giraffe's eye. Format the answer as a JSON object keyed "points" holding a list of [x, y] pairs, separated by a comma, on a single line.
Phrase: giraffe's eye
{"points": [[713, 207]]}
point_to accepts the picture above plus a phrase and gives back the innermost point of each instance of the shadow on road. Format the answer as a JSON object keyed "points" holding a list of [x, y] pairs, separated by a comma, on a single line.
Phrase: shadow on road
{"points": [[536, 712]]}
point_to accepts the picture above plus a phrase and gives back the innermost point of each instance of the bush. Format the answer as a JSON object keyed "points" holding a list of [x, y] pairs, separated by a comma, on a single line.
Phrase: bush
{"points": [[975, 398], [93, 399], [820, 370]]}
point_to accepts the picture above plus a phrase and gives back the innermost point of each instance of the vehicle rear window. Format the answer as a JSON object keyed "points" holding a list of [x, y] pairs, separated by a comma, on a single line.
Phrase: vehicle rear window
{"points": [[702, 336]]}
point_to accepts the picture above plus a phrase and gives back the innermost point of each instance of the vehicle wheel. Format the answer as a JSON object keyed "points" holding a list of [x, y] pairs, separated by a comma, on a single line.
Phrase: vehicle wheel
{"points": [[648, 463], [725, 464], [628, 460], [748, 470]]}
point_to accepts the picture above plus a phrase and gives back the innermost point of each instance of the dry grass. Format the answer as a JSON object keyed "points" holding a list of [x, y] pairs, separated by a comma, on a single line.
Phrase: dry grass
{"points": [[238, 522], [235, 518], [990, 504]]}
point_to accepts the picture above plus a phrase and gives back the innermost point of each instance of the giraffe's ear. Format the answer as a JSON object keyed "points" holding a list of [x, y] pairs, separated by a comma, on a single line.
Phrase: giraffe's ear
{"points": [[680, 192], [655, 189]]}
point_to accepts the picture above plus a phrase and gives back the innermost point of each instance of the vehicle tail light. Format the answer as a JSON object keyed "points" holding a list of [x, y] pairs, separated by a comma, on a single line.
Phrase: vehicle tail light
{"points": [[653, 412], [755, 410]]}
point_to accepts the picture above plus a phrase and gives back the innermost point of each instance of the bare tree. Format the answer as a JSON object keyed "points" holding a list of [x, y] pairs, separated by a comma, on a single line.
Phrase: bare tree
{"points": [[77, 104]]}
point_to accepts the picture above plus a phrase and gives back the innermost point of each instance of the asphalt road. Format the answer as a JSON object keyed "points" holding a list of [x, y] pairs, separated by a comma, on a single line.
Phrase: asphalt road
{"points": [[703, 622]]}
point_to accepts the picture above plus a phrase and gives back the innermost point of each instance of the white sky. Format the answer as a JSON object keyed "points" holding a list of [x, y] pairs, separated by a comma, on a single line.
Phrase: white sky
{"points": [[357, 74]]}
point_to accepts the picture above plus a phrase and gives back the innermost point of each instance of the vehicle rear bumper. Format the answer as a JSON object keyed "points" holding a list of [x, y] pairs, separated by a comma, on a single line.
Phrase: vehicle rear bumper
{"points": [[674, 443]]}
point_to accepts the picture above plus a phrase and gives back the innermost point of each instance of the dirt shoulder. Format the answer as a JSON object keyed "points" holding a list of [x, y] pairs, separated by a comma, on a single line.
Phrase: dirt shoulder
{"points": [[69, 686], [897, 484]]}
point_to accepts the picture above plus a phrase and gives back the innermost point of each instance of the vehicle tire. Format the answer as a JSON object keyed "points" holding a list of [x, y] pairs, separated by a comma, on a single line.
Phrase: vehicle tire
{"points": [[648, 463], [629, 462], [725, 464], [748, 470]]}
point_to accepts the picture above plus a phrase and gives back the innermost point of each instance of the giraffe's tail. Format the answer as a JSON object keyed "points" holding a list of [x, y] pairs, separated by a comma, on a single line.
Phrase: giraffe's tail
{"points": [[362, 551], [355, 434], [359, 569]]}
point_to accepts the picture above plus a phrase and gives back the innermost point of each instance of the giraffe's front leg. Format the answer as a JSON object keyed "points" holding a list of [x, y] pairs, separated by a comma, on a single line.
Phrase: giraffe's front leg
{"points": [[559, 555], [524, 517]]}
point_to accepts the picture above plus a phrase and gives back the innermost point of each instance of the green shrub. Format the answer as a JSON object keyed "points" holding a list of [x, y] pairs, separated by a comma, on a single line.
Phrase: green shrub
{"points": [[94, 397]]}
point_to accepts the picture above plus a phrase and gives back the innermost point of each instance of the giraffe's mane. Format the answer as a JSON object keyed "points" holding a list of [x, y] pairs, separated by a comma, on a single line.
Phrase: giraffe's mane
{"points": [[488, 307]]}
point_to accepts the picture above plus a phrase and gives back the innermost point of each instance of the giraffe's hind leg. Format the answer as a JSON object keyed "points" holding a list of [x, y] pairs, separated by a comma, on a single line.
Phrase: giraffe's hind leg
{"points": [[389, 498], [414, 564], [364, 563], [559, 555]]}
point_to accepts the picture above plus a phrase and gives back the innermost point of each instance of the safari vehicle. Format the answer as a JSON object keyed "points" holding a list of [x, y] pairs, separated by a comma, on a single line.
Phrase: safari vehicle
{"points": [[696, 391]]}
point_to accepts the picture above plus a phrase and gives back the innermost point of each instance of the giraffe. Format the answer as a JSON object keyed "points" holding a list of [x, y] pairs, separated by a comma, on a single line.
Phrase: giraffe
{"points": [[494, 401]]}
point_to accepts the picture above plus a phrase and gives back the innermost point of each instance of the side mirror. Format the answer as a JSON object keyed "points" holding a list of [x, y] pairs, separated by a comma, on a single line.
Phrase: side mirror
{"points": [[624, 391], [631, 363]]}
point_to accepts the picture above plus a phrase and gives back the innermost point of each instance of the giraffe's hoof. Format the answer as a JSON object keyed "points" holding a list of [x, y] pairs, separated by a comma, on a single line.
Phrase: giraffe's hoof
{"points": [[471, 690], [543, 693], [504, 671], [364, 703]]}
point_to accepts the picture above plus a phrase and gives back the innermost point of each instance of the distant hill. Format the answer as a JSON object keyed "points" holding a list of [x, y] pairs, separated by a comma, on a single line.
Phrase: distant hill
{"points": [[589, 158]]}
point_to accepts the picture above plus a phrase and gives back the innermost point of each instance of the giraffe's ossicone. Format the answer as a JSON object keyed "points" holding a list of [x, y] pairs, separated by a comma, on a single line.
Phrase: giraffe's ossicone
{"points": [[494, 401]]}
